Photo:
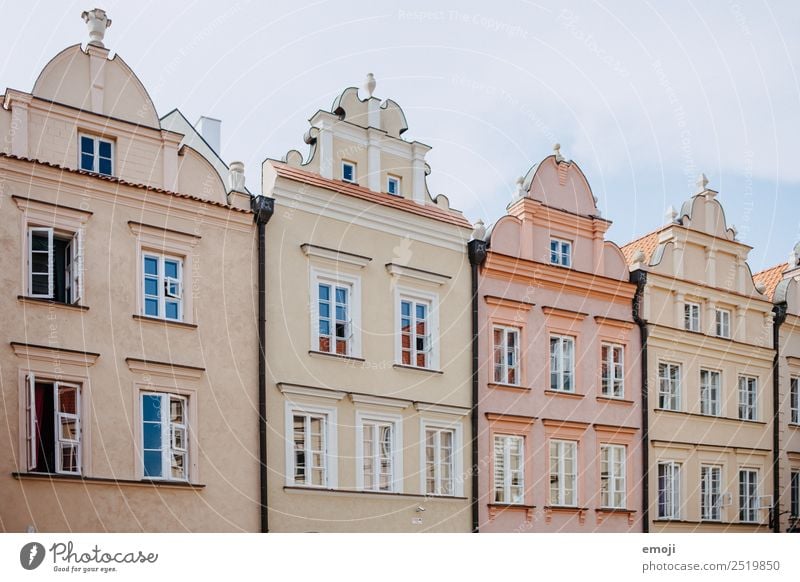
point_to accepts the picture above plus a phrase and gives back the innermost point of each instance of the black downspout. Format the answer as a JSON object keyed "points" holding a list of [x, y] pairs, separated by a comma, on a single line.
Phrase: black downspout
{"points": [[640, 278], [262, 207], [476, 250], [780, 316]]}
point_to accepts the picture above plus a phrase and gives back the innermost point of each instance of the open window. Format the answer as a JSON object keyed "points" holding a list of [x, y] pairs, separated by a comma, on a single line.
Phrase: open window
{"points": [[165, 434], [54, 264], [54, 426]]}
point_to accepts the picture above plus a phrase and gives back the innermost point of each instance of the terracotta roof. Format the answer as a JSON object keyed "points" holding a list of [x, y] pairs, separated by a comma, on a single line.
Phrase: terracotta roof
{"points": [[115, 180], [427, 210], [647, 244], [770, 278]]}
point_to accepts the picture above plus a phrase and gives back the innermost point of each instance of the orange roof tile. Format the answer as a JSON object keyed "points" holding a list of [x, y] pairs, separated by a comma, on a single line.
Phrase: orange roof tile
{"points": [[427, 210], [770, 278], [647, 244]]}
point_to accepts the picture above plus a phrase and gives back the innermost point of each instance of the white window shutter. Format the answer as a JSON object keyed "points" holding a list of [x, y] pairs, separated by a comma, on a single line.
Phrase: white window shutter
{"points": [[30, 405]]}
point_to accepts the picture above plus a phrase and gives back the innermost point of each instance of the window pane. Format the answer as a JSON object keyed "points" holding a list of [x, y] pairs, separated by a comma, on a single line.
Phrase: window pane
{"points": [[104, 167], [67, 400], [87, 145], [172, 310], [151, 435], [152, 463], [87, 162], [171, 269], [150, 286], [150, 266], [324, 292], [151, 307], [104, 149], [151, 407]]}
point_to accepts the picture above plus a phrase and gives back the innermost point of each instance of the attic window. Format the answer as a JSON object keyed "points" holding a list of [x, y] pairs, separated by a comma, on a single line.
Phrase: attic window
{"points": [[393, 185], [349, 172], [96, 155]]}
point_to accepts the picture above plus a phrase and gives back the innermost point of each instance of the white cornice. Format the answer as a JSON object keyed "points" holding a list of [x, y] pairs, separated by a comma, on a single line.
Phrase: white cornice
{"points": [[334, 255], [54, 355], [441, 408], [382, 401], [401, 271], [164, 369], [310, 391]]}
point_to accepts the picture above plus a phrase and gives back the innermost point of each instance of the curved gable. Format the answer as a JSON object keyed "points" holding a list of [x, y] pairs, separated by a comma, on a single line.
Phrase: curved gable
{"points": [[561, 185], [504, 237], [704, 213], [197, 177]]}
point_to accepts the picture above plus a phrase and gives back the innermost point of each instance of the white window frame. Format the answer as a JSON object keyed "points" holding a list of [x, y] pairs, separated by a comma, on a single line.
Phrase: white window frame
{"points": [[96, 153], [562, 259], [73, 278], [794, 400], [559, 362], [507, 475], [59, 442], [396, 423], [397, 181], [163, 285], [673, 395], [710, 492], [794, 493], [559, 448], [723, 323], [672, 505], [353, 283], [354, 166], [503, 348], [710, 392], [691, 316], [748, 504], [432, 300], [610, 382], [748, 386], [330, 456], [456, 467], [613, 457], [168, 440]]}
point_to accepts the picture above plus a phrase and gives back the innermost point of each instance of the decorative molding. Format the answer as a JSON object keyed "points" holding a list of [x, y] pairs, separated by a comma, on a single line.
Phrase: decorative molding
{"points": [[26, 204], [575, 316], [563, 394], [157, 235], [335, 356], [441, 408], [416, 369], [569, 424], [621, 430], [139, 227], [611, 322], [496, 509], [509, 303], [164, 322], [337, 256], [164, 369], [413, 273], [54, 355], [514, 418], [310, 391], [381, 401], [549, 510]]}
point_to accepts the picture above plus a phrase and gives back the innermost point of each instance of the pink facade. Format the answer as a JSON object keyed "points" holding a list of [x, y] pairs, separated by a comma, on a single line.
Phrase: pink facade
{"points": [[560, 376]]}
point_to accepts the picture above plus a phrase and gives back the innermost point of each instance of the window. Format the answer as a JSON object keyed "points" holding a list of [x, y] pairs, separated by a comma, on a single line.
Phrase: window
{"points": [[54, 426], [794, 400], [723, 323], [794, 486], [669, 487], [310, 456], [393, 185], [506, 355], [349, 172], [560, 252], [335, 324], [612, 370], [163, 286], [379, 453], [509, 480], [96, 155], [55, 264], [612, 476], [710, 392], [415, 332], [562, 363], [669, 386], [165, 432], [747, 398], [563, 473], [439, 466], [691, 316], [710, 493], [748, 495]]}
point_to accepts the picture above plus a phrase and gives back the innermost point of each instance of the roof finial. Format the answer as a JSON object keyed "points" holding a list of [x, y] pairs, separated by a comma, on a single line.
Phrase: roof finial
{"points": [[97, 21], [794, 256], [519, 192], [369, 84], [701, 183], [557, 152], [479, 230], [671, 215]]}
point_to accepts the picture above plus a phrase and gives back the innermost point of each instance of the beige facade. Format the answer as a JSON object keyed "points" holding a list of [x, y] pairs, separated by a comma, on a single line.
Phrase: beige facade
{"points": [[129, 350], [709, 360], [368, 290]]}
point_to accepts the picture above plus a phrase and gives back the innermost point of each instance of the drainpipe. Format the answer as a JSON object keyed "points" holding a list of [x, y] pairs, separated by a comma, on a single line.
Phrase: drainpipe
{"points": [[262, 207], [779, 310], [476, 250], [640, 278]]}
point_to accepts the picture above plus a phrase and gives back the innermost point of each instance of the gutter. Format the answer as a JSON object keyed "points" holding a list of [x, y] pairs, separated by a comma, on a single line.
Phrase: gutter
{"points": [[780, 316], [640, 278], [476, 250], [263, 208]]}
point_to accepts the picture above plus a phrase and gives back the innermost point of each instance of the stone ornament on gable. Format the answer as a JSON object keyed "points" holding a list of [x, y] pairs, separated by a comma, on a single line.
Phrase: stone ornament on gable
{"points": [[97, 21]]}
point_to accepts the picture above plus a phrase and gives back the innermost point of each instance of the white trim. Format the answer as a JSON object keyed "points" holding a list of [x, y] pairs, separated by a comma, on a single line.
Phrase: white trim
{"points": [[506, 331], [432, 299], [96, 139], [561, 242], [441, 409], [331, 448], [380, 401], [396, 422], [562, 446], [310, 391], [611, 346], [317, 252], [679, 389], [612, 450], [458, 455], [401, 271], [317, 276], [694, 309], [675, 484], [353, 165]]}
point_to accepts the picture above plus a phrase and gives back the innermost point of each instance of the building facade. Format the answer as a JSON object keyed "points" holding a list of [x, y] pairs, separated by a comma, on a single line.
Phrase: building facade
{"points": [[560, 377], [129, 348], [709, 374], [368, 327]]}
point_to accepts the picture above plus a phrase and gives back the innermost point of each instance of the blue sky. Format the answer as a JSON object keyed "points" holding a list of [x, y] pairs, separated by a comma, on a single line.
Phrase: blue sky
{"points": [[642, 95]]}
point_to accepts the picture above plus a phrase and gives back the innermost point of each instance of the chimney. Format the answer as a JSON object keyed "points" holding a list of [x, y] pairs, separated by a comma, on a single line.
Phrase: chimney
{"points": [[211, 130]]}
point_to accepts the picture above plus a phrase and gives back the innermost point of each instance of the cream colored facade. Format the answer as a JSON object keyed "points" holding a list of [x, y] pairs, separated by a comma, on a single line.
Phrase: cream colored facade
{"points": [[702, 378], [349, 410], [88, 372]]}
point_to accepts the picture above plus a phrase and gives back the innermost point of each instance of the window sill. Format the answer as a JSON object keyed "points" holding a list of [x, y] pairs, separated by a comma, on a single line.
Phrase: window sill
{"points": [[417, 368], [712, 522], [511, 506], [359, 492], [563, 394], [502, 386], [612, 400], [565, 508], [165, 322], [794, 425], [106, 481], [709, 416], [50, 302], [336, 356], [614, 510]]}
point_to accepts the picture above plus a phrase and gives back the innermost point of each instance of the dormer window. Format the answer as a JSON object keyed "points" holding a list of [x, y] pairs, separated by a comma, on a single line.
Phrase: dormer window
{"points": [[560, 252], [349, 172], [393, 185], [96, 155]]}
